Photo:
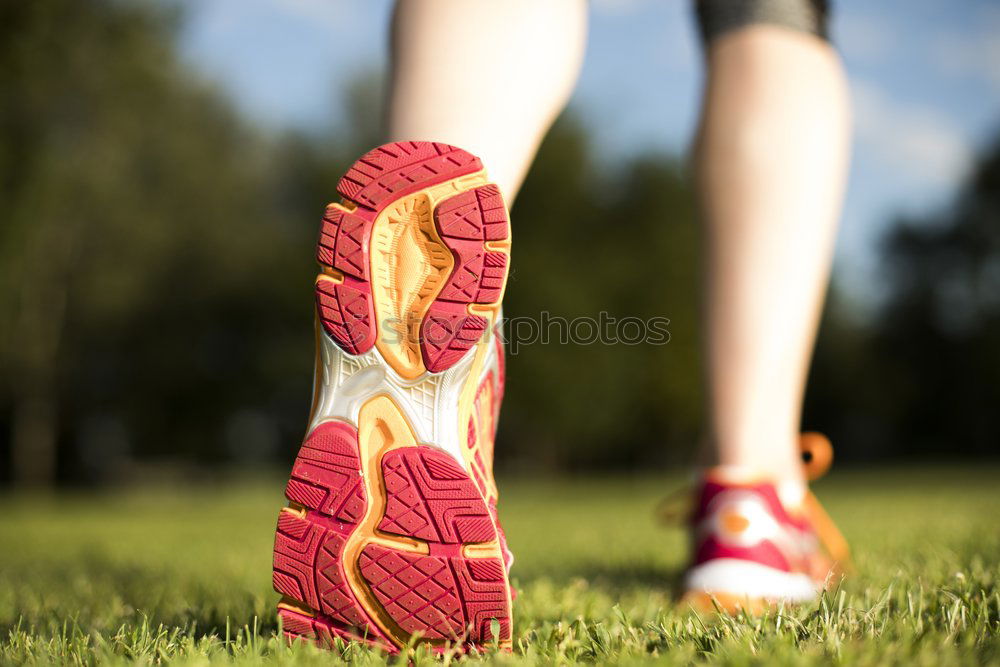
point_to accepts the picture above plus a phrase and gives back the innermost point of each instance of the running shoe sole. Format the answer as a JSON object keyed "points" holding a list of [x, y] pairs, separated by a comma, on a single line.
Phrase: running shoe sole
{"points": [[390, 536]]}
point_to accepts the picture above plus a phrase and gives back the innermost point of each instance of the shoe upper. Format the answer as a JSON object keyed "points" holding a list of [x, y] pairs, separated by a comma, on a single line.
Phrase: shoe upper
{"points": [[752, 538], [747, 521], [483, 424]]}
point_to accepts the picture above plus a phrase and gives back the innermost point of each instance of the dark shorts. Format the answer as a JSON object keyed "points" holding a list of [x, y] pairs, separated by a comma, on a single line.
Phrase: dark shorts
{"points": [[719, 16]]}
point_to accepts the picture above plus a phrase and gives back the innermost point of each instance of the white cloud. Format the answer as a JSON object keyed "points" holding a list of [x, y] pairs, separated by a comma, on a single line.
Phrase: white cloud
{"points": [[918, 141]]}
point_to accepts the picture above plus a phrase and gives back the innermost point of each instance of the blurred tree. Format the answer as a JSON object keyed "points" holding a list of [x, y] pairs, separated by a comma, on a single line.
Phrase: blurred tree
{"points": [[153, 269], [922, 378], [139, 218], [155, 301], [939, 337], [845, 394], [589, 240]]}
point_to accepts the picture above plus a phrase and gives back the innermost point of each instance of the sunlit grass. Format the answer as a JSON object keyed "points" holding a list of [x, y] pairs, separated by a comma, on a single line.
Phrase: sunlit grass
{"points": [[184, 576]]}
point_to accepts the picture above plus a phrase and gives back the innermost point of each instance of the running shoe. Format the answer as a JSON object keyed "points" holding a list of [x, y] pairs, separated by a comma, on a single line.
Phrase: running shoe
{"points": [[390, 536], [753, 548]]}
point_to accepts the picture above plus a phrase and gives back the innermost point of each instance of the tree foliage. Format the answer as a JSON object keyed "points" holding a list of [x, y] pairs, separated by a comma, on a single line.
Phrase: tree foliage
{"points": [[155, 273], [141, 228]]}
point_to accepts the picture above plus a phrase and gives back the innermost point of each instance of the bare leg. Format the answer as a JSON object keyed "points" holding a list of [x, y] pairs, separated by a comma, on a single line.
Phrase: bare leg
{"points": [[489, 77], [771, 163]]}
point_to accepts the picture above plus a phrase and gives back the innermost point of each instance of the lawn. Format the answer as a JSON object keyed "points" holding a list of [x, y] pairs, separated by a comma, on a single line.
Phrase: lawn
{"points": [[184, 576]]}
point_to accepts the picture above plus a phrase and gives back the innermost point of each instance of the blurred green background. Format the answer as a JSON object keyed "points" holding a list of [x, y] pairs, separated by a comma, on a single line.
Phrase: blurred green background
{"points": [[155, 271]]}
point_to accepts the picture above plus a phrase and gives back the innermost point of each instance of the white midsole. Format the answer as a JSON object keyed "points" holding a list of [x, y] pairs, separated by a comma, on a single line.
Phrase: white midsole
{"points": [[744, 578], [431, 402]]}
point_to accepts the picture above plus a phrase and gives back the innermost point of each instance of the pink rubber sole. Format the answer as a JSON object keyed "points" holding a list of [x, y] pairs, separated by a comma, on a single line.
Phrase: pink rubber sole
{"points": [[466, 223], [384, 592]]}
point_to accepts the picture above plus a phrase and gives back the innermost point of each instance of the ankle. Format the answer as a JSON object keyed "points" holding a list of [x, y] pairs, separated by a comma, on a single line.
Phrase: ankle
{"points": [[778, 465]]}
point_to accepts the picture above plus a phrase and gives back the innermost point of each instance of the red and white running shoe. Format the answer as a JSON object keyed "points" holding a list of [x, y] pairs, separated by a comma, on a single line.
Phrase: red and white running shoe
{"points": [[751, 548], [390, 534]]}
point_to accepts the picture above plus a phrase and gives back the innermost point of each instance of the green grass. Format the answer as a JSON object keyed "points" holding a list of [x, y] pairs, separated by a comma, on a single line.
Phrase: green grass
{"points": [[184, 576]]}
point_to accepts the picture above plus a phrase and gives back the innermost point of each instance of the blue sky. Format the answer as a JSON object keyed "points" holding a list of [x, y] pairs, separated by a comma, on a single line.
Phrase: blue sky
{"points": [[925, 81]]}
